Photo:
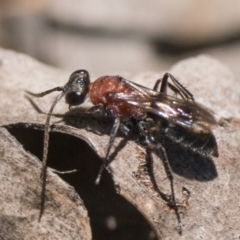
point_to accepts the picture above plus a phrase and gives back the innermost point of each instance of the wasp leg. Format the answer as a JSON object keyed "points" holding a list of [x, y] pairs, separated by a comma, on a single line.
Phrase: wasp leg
{"points": [[176, 87], [113, 134], [151, 133]]}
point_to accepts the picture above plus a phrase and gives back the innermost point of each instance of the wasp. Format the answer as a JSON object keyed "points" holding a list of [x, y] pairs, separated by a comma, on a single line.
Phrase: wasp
{"points": [[153, 114]]}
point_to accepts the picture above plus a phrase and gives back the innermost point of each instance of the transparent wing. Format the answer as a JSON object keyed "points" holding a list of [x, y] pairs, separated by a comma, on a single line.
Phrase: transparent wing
{"points": [[188, 114]]}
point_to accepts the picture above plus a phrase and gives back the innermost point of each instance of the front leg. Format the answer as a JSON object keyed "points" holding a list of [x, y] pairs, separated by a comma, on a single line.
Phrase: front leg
{"points": [[113, 134]]}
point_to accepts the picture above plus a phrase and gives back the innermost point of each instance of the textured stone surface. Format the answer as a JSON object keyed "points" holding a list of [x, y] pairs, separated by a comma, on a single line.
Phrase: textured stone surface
{"points": [[65, 216]]}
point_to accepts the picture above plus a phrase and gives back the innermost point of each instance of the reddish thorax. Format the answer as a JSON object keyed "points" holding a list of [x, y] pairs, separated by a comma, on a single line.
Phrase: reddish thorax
{"points": [[100, 91]]}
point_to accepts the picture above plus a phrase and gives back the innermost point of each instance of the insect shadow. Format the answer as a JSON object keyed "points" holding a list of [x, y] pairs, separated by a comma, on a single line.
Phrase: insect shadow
{"points": [[183, 160], [190, 164]]}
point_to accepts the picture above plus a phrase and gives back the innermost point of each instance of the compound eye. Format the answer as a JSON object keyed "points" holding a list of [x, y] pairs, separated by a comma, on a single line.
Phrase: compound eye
{"points": [[74, 98]]}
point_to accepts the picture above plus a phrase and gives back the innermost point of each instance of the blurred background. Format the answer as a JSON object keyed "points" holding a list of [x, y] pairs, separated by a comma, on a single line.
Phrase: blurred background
{"points": [[121, 36]]}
